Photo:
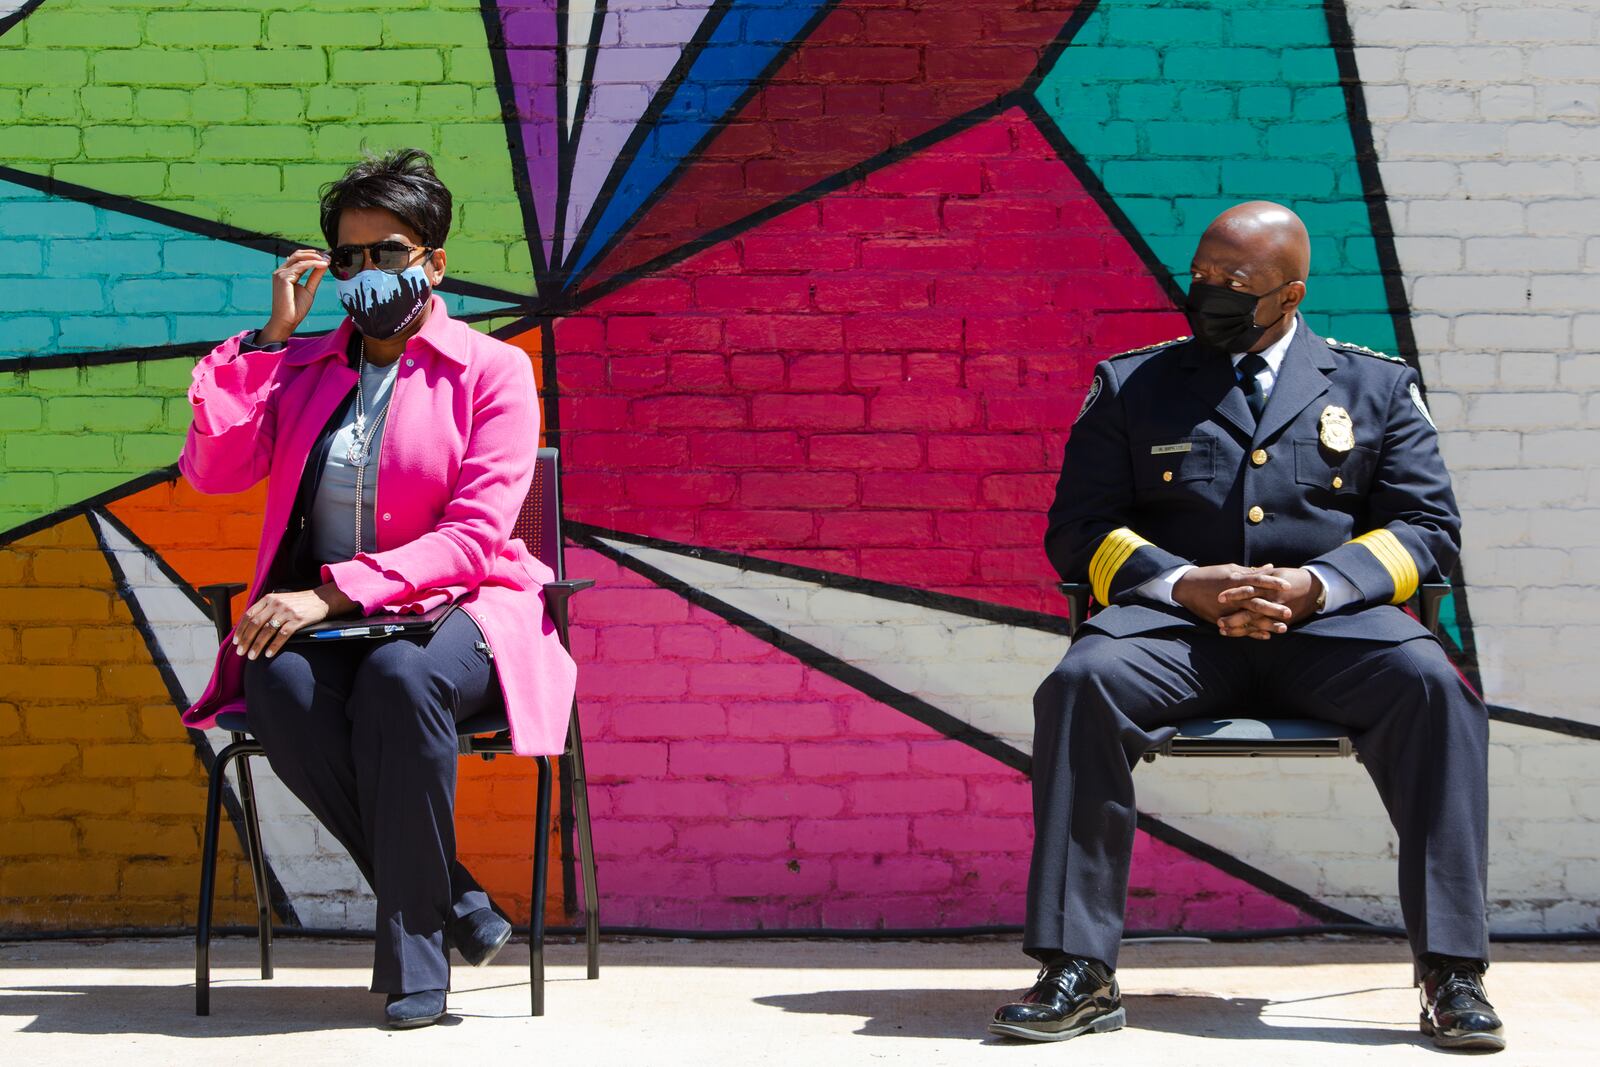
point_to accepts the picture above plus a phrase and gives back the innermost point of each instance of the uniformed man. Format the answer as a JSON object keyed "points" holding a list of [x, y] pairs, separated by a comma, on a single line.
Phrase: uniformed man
{"points": [[1249, 505]]}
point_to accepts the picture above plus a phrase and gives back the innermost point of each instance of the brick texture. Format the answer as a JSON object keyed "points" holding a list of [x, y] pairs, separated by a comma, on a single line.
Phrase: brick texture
{"points": [[101, 790]]}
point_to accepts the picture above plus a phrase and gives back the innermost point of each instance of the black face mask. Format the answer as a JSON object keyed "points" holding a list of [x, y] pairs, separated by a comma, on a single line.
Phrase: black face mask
{"points": [[1225, 319]]}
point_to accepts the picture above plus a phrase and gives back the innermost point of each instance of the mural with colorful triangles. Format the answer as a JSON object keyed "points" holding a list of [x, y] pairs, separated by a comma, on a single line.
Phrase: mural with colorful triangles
{"points": [[813, 290]]}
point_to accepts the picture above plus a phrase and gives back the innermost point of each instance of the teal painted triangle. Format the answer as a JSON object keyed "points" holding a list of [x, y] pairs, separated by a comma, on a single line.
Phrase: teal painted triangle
{"points": [[1183, 111], [80, 277]]}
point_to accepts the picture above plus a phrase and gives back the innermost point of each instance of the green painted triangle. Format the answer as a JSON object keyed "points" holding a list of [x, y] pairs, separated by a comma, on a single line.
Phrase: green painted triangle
{"points": [[234, 112], [1183, 110]]}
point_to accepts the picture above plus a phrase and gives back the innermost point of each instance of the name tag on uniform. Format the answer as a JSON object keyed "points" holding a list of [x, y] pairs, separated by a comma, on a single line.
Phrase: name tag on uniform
{"points": [[1167, 450]]}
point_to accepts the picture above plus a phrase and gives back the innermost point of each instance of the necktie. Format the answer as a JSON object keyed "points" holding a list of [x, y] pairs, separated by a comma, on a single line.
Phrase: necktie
{"points": [[1255, 396]]}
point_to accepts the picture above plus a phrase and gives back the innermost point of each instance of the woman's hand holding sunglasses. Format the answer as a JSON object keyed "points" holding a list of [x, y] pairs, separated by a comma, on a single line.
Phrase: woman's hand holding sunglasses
{"points": [[294, 288]]}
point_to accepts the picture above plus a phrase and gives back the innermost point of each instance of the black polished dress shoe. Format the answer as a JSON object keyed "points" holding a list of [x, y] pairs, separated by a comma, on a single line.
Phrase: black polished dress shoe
{"points": [[407, 1011], [1072, 995], [479, 936], [1456, 1011]]}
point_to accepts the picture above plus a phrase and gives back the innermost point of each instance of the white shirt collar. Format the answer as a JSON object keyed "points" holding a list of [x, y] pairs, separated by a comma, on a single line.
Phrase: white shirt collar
{"points": [[1273, 353]]}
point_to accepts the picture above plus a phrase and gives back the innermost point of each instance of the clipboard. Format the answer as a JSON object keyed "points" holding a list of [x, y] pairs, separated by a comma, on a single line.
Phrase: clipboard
{"points": [[373, 627]]}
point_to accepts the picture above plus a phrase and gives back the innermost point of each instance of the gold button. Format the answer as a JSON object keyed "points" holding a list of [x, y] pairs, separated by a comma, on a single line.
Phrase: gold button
{"points": [[1166, 476], [1256, 514], [1338, 482], [1259, 457]]}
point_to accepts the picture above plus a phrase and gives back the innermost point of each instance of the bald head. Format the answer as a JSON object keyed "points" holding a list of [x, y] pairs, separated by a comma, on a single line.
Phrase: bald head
{"points": [[1257, 249], [1263, 238]]}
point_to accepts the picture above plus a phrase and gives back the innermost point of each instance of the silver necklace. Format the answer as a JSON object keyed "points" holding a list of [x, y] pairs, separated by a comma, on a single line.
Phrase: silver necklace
{"points": [[360, 437]]}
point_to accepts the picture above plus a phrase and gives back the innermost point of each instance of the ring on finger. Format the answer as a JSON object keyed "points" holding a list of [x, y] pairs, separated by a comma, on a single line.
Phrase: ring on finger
{"points": [[275, 623]]}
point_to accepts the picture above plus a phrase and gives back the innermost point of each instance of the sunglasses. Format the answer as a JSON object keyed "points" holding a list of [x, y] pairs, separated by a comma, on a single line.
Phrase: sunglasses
{"points": [[391, 257]]}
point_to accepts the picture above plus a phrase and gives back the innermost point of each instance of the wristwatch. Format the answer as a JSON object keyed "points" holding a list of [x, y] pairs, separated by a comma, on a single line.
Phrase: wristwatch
{"points": [[1322, 595]]}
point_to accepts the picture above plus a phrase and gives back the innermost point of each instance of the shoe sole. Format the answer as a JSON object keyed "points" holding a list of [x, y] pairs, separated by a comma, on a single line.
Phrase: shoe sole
{"points": [[414, 1024], [494, 950], [1104, 1024], [1469, 1042]]}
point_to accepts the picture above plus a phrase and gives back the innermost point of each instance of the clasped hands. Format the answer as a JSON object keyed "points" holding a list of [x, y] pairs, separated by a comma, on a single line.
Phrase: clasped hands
{"points": [[1242, 601]]}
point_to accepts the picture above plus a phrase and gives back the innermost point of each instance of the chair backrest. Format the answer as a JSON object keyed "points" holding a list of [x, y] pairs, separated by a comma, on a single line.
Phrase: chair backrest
{"points": [[539, 522]]}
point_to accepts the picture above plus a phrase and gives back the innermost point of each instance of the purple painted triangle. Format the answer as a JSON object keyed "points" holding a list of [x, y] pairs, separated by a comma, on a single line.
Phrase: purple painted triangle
{"points": [[530, 50], [638, 45]]}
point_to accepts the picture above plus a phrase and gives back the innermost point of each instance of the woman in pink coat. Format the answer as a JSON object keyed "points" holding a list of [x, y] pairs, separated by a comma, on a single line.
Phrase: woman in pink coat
{"points": [[398, 450]]}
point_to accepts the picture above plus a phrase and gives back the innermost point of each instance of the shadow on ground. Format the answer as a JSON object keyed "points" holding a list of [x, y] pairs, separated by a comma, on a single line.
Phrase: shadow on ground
{"points": [[259, 1009], [954, 1014]]}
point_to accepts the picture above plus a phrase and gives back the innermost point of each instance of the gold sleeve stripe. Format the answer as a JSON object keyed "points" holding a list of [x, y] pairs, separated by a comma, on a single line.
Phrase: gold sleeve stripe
{"points": [[1395, 559], [1113, 552]]}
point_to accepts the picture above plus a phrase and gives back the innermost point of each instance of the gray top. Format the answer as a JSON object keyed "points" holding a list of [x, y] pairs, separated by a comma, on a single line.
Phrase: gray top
{"points": [[333, 511]]}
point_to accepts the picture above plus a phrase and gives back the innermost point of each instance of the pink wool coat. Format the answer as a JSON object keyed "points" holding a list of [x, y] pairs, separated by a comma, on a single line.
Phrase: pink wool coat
{"points": [[454, 465]]}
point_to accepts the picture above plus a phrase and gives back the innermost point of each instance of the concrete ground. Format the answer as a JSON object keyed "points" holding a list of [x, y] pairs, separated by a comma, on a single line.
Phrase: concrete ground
{"points": [[829, 1003]]}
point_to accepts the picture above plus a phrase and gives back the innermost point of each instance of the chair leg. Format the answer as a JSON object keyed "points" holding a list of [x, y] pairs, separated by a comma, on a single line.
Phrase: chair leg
{"points": [[580, 805], [258, 862], [208, 879], [541, 865]]}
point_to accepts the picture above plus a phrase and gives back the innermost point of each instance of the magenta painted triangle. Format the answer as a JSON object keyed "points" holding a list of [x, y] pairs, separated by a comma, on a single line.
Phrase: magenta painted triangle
{"points": [[876, 383]]}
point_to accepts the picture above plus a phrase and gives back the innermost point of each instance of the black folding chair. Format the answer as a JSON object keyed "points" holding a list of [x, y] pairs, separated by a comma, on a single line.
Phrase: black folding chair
{"points": [[486, 736], [1242, 736]]}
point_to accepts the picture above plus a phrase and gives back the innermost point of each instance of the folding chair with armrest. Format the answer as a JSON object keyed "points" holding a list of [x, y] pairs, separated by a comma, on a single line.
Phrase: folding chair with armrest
{"points": [[1250, 736], [488, 735]]}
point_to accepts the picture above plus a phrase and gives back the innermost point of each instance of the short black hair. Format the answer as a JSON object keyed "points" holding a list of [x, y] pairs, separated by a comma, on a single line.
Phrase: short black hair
{"points": [[402, 182]]}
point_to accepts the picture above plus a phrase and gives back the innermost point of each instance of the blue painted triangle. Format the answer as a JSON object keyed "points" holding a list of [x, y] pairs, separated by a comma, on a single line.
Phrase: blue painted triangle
{"points": [[747, 39], [81, 277]]}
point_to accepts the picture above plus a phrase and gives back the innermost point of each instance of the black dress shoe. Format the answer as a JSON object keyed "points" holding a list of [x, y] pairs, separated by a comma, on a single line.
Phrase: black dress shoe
{"points": [[407, 1011], [1072, 995], [479, 936], [1456, 1012]]}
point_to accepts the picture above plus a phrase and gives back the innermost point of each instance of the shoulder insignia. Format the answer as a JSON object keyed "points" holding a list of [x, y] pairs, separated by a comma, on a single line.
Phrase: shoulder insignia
{"points": [[1151, 348], [1361, 350], [1422, 409], [1089, 398]]}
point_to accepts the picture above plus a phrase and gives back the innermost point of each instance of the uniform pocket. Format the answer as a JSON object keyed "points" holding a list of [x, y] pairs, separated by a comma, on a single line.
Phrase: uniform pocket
{"points": [[1342, 474], [1173, 462]]}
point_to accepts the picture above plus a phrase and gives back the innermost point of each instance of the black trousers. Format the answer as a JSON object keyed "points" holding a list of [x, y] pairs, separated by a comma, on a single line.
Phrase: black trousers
{"points": [[1422, 734], [364, 734]]}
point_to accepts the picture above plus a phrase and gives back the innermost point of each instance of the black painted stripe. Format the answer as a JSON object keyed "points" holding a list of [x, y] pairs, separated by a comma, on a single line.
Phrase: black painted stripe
{"points": [[814, 657], [902, 594], [948, 725], [1232, 865], [277, 896], [18, 15], [642, 129], [278, 246], [692, 156], [116, 492], [521, 182]]}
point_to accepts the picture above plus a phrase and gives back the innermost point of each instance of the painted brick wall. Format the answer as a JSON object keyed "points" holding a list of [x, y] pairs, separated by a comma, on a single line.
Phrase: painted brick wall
{"points": [[230, 116], [812, 291], [1487, 119], [100, 787]]}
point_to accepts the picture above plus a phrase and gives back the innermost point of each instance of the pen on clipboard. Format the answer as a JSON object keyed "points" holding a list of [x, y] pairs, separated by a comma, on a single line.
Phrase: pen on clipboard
{"points": [[357, 631]]}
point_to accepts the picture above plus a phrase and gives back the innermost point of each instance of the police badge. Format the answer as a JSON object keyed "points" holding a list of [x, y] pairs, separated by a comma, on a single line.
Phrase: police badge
{"points": [[1337, 432]]}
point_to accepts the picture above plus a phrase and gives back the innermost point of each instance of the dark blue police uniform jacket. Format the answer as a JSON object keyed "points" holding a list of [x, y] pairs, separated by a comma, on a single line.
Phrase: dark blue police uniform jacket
{"points": [[1166, 466]]}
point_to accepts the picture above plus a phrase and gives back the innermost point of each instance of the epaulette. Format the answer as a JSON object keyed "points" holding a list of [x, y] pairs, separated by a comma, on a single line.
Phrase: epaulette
{"points": [[1361, 350], [1150, 348]]}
